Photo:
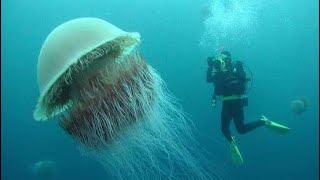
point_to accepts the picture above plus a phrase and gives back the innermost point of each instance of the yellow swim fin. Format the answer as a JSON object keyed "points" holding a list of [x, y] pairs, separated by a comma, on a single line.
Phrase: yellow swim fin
{"points": [[275, 126], [235, 153]]}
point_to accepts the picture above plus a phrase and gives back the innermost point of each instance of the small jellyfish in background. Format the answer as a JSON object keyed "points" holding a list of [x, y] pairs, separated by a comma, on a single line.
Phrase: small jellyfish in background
{"points": [[44, 169], [114, 104], [299, 105]]}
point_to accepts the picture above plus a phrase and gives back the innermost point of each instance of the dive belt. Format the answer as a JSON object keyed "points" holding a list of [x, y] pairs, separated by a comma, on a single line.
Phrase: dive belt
{"points": [[233, 97]]}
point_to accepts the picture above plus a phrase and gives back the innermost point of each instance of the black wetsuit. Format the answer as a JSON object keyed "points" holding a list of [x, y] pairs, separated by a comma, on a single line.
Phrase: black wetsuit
{"points": [[228, 83]]}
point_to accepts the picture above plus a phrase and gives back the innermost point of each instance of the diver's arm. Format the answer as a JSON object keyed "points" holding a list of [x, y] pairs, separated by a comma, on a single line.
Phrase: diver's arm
{"points": [[209, 70], [214, 100], [214, 97], [209, 75], [217, 88]]}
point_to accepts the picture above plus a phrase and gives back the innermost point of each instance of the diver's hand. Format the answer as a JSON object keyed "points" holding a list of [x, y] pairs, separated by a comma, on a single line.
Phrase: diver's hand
{"points": [[214, 102]]}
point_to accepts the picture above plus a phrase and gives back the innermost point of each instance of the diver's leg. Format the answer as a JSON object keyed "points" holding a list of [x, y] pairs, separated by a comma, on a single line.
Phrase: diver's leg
{"points": [[225, 122], [239, 121], [235, 152]]}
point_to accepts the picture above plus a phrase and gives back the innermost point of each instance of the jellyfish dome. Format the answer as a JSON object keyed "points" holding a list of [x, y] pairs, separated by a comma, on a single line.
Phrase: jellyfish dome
{"points": [[299, 105], [116, 106], [45, 169], [68, 47]]}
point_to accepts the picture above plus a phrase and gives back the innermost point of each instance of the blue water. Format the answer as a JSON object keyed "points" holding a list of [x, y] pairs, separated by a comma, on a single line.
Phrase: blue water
{"points": [[280, 47]]}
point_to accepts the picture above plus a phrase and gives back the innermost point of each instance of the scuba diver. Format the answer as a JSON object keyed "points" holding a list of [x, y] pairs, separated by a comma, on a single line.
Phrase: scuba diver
{"points": [[230, 82]]}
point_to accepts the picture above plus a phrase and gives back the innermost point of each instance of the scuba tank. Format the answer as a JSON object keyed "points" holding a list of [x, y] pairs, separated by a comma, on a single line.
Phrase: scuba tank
{"points": [[249, 77]]}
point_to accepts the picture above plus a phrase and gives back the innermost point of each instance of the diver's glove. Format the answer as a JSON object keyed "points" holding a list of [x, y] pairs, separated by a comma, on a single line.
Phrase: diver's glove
{"points": [[214, 101]]}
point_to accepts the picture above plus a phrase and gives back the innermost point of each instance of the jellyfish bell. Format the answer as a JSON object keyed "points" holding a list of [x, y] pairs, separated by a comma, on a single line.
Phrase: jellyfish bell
{"points": [[114, 104], [299, 105], [62, 51], [44, 169], [305, 101]]}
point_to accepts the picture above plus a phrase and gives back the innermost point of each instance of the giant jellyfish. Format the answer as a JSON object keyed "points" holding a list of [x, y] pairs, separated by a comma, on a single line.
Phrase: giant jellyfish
{"points": [[44, 169], [299, 105], [113, 104]]}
